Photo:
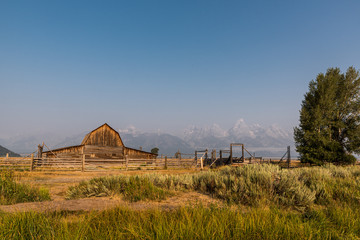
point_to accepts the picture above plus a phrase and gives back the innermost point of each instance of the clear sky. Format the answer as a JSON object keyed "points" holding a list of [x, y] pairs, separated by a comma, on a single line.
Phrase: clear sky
{"points": [[69, 66]]}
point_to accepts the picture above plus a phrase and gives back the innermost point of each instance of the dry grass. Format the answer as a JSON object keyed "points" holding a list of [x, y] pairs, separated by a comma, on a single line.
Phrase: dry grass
{"points": [[333, 214]]}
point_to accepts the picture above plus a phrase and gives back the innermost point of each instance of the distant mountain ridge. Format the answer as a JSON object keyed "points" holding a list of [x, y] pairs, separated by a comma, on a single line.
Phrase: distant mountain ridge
{"points": [[4, 151], [265, 141], [269, 141], [25, 144], [167, 144]]}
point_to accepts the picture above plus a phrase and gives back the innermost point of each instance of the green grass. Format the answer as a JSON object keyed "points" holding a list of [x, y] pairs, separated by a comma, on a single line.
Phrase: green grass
{"points": [[250, 185], [265, 202], [12, 192], [185, 223], [133, 188]]}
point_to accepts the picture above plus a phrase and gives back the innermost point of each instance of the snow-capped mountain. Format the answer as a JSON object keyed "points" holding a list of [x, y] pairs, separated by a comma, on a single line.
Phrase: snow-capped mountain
{"points": [[214, 131], [252, 135], [244, 130]]}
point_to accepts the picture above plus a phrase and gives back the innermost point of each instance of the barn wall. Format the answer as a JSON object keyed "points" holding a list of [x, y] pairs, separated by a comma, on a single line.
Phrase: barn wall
{"points": [[103, 136], [105, 152], [99, 152], [69, 152], [134, 153]]}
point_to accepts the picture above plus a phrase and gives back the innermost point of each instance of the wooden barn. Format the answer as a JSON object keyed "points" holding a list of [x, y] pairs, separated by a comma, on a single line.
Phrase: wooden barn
{"points": [[102, 143]]}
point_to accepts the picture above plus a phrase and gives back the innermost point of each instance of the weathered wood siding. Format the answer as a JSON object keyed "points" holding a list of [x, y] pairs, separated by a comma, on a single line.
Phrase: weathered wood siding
{"points": [[104, 152], [103, 136], [69, 152], [134, 153]]}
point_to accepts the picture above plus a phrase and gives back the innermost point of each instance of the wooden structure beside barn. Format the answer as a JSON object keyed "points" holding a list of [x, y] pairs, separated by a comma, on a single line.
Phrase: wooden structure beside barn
{"points": [[102, 143]]}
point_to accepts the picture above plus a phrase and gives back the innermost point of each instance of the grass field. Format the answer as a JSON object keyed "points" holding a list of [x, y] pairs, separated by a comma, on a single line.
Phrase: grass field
{"points": [[12, 192], [248, 202]]}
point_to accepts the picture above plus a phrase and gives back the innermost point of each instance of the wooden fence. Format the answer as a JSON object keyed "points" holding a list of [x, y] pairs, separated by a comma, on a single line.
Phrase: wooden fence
{"points": [[84, 163], [138, 164], [57, 164], [94, 164], [16, 163]]}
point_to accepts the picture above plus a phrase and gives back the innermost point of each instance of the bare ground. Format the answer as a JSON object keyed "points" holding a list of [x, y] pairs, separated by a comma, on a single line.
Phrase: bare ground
{"points": [[58, 183], [90, 204]]}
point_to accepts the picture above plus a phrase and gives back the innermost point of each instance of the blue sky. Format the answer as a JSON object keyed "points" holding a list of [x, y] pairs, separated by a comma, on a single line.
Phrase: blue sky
{"points": [[69, 66]]}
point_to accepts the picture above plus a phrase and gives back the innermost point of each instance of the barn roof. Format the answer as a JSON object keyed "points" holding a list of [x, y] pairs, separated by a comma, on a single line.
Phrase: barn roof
{"points": [[141, 151], [87, 136]]}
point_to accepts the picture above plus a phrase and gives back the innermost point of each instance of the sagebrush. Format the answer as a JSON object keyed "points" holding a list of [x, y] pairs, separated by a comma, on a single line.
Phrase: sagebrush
{"points": [[251, 185]]}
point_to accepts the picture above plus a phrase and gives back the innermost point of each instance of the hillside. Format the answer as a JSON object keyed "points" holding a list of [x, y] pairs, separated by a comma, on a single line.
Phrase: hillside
{"points": [[4, 151], [167, 144]]}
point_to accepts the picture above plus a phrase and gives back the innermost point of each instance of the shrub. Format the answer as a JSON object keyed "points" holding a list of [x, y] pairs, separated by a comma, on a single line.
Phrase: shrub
{"points": [[12, 192], [133, 188], [251, 185], [289, 191]]}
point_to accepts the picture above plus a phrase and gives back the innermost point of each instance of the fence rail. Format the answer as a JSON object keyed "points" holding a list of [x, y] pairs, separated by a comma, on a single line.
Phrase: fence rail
{"points": [[143, 164], [91, 164], [16, 163], [84, 163]]}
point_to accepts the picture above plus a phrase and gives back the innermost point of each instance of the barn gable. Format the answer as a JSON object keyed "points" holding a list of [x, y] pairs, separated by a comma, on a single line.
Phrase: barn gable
{"points": [[103, 136]]}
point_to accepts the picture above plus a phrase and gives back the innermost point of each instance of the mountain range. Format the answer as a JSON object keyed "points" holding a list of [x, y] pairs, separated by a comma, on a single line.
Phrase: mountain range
{"points": [[4, 151], [264, 141]]}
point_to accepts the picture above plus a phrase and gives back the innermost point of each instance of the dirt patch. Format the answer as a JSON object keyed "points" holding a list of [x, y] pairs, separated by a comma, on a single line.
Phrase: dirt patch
{"points": [[91, 204], [58, 183]]}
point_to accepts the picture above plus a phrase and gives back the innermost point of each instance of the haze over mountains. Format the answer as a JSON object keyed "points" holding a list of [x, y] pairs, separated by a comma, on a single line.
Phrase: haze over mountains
{"points": [[265, 141]]}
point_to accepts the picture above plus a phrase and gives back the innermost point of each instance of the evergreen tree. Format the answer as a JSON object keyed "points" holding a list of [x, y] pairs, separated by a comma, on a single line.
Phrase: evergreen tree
{"points": [[155, 150], [329, 129]]}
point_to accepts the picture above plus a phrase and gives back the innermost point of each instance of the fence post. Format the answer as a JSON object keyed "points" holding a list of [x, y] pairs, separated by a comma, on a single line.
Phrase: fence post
{"points": [[83, 162], [288, 156], [166, 165], [32, 162], [243, 153], [201, 163], [7, 156], [126, 162]]}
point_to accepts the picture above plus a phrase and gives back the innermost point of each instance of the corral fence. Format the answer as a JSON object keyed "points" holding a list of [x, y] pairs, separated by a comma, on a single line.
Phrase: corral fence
{"points": [[200, 159], [84, 162], [138, 164], [15, 163], [94, 164]]}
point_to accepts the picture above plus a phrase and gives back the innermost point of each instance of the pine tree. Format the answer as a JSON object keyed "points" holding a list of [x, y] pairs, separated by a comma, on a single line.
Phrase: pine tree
{"points": [[329, 129]]}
